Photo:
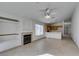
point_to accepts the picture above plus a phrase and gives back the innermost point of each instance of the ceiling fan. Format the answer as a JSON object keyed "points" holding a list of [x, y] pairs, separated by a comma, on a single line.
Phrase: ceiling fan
{"points": [[49, 13]]}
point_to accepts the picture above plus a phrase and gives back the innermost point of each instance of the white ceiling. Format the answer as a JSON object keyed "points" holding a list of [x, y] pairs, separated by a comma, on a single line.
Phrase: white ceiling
{"points": [[32, 10]]}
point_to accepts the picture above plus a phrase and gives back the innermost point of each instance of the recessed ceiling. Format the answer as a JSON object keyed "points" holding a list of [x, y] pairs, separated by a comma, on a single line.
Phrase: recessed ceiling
{"points": [[32, 11]]}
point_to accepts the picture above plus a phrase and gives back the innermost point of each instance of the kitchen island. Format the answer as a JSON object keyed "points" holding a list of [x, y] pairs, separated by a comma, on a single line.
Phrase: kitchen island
{"points": [[55, 35]]}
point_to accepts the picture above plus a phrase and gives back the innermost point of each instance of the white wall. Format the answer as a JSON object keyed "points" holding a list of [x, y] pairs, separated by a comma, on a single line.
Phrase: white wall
{"points": [[8, 42], [29, 26], [75, 26], [9, 27]]}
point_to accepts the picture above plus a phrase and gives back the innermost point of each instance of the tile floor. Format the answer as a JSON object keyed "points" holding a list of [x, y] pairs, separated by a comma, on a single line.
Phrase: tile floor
{"points": [[55, 47]]}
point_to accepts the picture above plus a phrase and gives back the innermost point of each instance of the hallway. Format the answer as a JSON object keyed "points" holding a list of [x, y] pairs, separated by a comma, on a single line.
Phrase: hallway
{"points": [[64, 47]]}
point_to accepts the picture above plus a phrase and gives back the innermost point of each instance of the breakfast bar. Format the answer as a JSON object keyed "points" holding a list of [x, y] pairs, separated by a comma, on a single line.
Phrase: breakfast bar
{"points": [[55, 35]]}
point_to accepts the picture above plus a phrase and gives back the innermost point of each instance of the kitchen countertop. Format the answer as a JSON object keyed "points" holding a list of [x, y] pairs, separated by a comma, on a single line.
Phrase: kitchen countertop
{"points": [[55, 35]]}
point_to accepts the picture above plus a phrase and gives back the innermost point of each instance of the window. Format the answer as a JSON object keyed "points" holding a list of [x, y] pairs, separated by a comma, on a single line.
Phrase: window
{"points": [[38, 29]]}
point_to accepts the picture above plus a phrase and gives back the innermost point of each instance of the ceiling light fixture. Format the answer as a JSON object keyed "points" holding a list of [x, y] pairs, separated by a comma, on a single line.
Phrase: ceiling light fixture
{"points": [[47, 16], [49, 13]]}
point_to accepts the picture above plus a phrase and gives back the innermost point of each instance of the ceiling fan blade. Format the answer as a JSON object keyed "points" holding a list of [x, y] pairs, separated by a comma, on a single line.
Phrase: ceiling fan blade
{"points": [[53, 13], [52, 17], [53, 9]]}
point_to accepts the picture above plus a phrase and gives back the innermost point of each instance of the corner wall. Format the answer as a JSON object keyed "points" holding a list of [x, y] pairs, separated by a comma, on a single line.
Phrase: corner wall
{"points": [[29, 26]]}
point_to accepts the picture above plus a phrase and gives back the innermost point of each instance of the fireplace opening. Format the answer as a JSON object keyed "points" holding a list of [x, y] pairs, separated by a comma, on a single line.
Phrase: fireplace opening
{"points": [[27, 39]]}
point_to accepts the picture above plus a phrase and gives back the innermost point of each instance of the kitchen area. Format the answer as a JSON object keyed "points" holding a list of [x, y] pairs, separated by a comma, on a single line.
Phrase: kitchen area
{"points": [[58, 30]]}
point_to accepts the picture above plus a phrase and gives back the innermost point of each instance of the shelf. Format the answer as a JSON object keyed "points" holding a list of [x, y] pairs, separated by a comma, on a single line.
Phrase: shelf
{"points": [[9, 34]]}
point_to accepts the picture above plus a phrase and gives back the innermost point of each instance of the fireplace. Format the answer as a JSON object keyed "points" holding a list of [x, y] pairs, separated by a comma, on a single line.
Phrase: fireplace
{"points": [[26, 39]]}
